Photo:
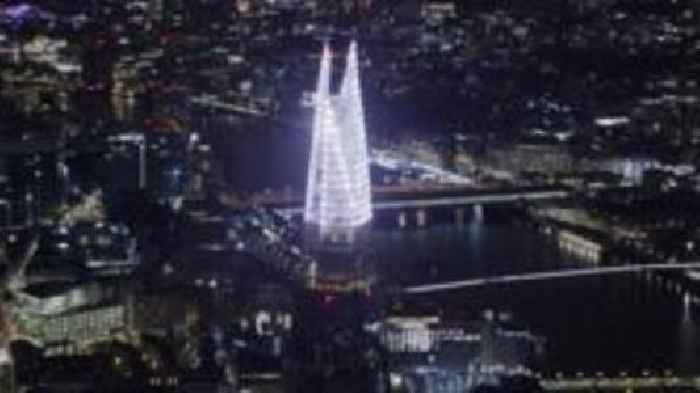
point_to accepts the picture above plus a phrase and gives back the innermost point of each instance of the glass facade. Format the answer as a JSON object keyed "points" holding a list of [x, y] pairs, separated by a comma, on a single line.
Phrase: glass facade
{"points": [[338, 190]]}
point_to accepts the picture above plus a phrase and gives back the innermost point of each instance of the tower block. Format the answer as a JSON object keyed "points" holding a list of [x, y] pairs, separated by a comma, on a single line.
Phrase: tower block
{"points": [[338, 195]]}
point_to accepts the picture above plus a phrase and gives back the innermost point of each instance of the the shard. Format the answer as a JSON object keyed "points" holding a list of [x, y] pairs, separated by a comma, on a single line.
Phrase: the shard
{"points": [[338, 196]]}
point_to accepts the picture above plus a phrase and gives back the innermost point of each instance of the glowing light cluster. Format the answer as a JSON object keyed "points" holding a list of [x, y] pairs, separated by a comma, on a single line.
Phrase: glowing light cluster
{"points": [[338, 195]]}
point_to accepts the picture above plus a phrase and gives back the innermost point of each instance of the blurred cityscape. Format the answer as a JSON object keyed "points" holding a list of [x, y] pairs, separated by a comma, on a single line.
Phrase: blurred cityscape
{"points": [[534, 184]]}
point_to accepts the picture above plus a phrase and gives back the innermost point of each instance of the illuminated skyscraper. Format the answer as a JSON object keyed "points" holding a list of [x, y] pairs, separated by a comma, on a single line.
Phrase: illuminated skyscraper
{"points": [[338, 197]]}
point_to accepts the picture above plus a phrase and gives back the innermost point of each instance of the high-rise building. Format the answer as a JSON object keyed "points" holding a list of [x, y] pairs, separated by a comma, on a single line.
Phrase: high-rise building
{"points": [[155, 9], [36, 179], [338, 196]]}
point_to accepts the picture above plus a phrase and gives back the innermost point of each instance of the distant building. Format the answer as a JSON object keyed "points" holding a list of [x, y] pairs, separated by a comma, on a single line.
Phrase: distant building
{"points": [[205, 381], [37, 179], [342, 272], [435, 12], [160, 161], [156, 9], [98, 60], [630, 168], [587, 247], [70, 293], [65, 319], [43, 49], [267, 320], [426, 354], [73, 374], [83, 250], [546, 158], [166, 312]]}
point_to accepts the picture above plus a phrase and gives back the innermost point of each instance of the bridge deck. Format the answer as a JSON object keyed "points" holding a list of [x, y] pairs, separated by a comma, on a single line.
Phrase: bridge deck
{"points": [[547, 275], [414, 198]]}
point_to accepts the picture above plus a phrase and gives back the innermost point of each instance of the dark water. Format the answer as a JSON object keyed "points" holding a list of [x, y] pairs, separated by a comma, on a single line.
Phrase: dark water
{"points": [[447, 252], [610, 324]]}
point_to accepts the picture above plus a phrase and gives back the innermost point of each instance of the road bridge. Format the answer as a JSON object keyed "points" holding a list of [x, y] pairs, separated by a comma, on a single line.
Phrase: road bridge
{"points": [[547, 275], [440, 197]]}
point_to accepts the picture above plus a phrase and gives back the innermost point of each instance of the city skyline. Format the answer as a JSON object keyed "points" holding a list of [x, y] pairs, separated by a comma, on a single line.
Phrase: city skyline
{"points": [[320, 196]]}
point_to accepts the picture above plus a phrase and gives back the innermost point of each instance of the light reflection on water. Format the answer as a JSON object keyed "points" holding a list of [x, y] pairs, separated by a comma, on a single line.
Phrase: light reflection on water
{"points": [[468, 251], [609, 324]]}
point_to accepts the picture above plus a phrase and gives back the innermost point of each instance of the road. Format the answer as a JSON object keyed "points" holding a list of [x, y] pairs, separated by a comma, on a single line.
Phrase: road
{"points": [[548, 275]]}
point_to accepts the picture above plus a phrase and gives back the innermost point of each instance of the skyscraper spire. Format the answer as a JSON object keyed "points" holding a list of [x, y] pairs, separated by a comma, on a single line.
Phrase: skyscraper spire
{"points": [[351, 76], [311, 211], [354, 124], [324, 77], [338, 195]]}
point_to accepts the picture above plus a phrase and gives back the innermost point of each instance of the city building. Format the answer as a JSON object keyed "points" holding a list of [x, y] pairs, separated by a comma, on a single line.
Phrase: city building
{"points": [[37, 179], [69, 251], [66, 318], [435, 12], [265, 323], [428, 354], [588, 246], [167, 312], [544, 158], [338, 199], [74, 374], [630, 168]]}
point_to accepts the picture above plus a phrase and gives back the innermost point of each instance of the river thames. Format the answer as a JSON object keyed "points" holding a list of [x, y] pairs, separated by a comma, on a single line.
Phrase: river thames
{"points": [[621, 323]]}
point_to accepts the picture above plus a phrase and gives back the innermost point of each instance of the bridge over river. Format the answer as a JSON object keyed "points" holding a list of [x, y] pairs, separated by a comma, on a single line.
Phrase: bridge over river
{"points": [[547, 275], [398, 198]]}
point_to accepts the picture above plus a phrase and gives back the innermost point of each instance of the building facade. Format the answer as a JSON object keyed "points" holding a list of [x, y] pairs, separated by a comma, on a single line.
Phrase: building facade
{"points": [[427, 354], [338, 198]]}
